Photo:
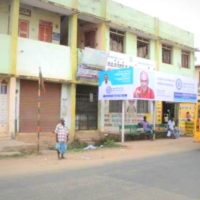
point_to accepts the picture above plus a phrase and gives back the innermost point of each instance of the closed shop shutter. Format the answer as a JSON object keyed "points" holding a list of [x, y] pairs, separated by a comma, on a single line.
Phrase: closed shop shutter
{"points": [[50, 106]]}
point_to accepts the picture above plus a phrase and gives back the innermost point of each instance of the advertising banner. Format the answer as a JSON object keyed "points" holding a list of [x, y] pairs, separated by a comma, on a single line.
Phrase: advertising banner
{"points": [[94, 58], [117, 60], [137, 83], [175, 88], [116, 84]]}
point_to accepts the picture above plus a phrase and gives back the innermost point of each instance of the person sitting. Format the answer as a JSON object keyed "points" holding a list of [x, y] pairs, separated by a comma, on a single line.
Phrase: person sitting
{"points": [[148, 128]]}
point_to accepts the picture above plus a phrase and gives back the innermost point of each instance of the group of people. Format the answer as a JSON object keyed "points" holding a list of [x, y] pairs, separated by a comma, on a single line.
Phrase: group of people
{"points": [[172, 131], [62, 133]]}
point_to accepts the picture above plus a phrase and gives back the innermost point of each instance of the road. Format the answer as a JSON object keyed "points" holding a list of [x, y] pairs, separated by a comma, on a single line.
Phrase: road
{"points": [[174, 176]]}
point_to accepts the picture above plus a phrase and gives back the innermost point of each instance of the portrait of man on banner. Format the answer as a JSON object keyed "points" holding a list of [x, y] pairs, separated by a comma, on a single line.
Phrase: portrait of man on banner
{"points": [[106, 85], [143, 91]]}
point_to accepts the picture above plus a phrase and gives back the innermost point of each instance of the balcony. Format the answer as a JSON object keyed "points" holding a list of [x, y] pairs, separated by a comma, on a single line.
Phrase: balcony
{"points": [[64, 7], [90, 62], [53, 59]]}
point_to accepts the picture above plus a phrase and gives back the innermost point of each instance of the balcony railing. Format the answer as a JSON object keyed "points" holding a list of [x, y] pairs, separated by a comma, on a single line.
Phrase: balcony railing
{"points": [[53, 59]]}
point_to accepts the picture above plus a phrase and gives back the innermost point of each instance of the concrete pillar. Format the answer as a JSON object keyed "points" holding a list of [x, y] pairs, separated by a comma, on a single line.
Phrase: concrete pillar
{"points": [[12, 107], [13, 30], [158, 47], [73, 28], [103, 44]]}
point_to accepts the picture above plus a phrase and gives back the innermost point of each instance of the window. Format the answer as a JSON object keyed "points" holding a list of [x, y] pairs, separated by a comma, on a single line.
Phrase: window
{"points": [[3, 87], [115, 106], [24, 28], [90, 39], [166, 54], [185, 58], [45, 31], [142, 106], [142, 47], [116, 40]]}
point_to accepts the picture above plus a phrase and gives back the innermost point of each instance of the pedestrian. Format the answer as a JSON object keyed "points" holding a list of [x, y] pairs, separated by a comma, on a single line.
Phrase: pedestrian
{"points": [[62, 134], [172, 132]]}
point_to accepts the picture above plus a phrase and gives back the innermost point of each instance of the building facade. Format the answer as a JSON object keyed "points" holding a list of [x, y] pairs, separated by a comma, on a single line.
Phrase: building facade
{"points": [[68, 40]]}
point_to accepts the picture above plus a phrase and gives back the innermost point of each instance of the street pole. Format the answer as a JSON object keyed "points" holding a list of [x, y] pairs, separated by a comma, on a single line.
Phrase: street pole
{"points": [[154, 120], [38, 111], [123, 118]]}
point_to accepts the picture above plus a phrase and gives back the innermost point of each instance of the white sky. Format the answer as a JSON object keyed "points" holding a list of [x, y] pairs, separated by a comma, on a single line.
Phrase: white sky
{"points": [[182, 13]]}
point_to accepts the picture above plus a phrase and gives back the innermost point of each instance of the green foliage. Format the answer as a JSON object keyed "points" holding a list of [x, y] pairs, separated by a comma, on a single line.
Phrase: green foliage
{"points": [[77, 145]]}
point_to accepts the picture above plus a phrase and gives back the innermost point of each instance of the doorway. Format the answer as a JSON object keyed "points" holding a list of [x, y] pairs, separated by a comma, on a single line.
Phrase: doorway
{"points": [[86, 107]]}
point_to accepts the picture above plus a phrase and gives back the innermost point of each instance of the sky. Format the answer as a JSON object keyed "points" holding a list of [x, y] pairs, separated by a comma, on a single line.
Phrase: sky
{"points": [[182, 13]]}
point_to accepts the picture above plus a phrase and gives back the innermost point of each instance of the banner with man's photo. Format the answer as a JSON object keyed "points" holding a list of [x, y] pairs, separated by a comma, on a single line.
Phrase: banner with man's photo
{"points": [[135, 83]]}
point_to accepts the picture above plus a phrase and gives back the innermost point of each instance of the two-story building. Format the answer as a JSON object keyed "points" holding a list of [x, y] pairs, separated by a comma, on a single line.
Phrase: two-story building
{"points": [[53, 35]]}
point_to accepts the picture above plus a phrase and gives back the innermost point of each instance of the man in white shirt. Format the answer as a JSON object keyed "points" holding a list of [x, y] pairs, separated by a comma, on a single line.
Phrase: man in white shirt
{"points": [[172, 131], [105, 87]]}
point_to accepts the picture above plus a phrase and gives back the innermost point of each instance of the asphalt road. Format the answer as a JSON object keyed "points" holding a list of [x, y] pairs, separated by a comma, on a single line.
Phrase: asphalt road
{"points": [[169, 177]]}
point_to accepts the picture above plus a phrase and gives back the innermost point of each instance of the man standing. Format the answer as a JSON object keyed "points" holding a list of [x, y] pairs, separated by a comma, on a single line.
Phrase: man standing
{"points": [[62, 135], [144, 91]]}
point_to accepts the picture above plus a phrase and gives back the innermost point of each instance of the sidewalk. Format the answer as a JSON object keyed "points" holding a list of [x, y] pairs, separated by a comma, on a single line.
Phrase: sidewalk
{"points": [[48, 162], [11, 147]]}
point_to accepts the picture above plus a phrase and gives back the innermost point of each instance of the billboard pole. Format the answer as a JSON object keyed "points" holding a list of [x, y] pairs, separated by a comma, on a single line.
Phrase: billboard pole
{"points": [[38, 111], [123, 118], [154, 120]]}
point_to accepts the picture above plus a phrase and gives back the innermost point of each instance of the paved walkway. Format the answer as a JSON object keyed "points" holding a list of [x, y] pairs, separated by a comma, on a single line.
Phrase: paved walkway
{"points": [[4, 144]]}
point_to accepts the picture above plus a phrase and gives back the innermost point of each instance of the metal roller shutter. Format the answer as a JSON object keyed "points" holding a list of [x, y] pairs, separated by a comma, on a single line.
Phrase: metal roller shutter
{"points": [[50, 106]]}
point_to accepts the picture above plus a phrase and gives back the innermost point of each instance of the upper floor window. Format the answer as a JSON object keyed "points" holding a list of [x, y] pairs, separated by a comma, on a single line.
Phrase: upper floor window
{"points": [[166, 54], [45, 31], [24, 28], [143, 47], [90, 39], [117, 40], [185, 59]]}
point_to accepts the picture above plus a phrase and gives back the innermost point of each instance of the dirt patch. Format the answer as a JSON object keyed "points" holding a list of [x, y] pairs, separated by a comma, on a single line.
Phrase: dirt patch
{"points": [[47, 161]]}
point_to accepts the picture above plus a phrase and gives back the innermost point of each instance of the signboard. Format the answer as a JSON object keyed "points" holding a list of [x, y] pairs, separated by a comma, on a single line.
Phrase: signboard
{"points": [[116, 84], [94, 58], [146, 85], [175, 88], [120, 60], [185, 108], [87, 73], [159, 112]]}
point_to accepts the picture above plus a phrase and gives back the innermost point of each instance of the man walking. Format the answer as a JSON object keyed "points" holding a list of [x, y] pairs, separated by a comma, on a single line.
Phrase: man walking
{"points": [[62, 135]]}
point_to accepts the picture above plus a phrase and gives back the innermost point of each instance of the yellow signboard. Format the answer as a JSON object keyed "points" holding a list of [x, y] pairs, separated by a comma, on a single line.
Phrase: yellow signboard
{"points": [[186, 118], [159, 112]]}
